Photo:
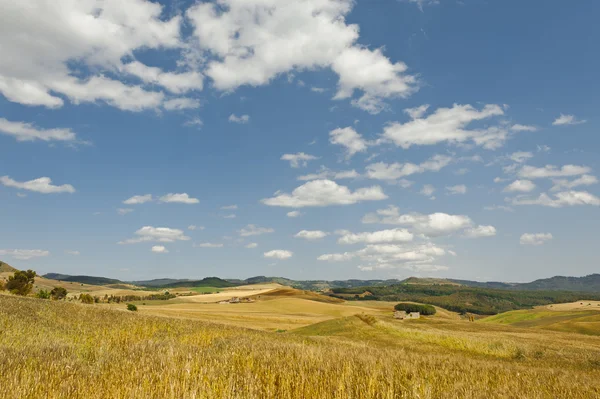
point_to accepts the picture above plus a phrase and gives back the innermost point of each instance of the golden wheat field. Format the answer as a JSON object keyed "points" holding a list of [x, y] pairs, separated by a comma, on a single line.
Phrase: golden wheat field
{"points": [[56, 349]]}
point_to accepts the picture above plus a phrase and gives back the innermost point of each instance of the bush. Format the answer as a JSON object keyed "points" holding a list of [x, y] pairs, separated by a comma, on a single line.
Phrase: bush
{"points": [[43, 294], [86, 298], [425, 310], [2, 286], [131, 307], [21, 283], [58, 293]]}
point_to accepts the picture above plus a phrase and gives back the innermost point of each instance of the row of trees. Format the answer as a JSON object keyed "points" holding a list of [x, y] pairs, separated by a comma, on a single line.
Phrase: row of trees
{"points": [[21, 283]]}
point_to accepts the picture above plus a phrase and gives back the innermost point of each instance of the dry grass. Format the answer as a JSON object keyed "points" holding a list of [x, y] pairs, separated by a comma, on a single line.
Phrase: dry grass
{"points": [[66, 350]]}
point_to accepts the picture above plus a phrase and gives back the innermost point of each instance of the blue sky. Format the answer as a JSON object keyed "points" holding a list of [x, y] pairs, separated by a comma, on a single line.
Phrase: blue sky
{"points": [[316, 139]]}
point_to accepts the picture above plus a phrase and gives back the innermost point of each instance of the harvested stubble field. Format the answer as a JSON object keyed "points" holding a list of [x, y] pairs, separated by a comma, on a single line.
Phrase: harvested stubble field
{"points": [[54, 349]]}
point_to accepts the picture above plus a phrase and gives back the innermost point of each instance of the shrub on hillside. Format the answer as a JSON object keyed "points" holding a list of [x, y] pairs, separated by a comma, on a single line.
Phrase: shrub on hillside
{"points": [[58, 293], [131, 307], [43, 294], [2, 287], [86, 298], [425, 310], [21, 283]]}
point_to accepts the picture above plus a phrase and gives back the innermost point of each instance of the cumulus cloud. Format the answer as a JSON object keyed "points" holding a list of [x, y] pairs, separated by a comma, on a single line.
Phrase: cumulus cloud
{"points": [[159, 249], [458, 189], [23, 131], [157, 234], [329, 174], [293, 214], [523, 128], [252, 42], [299, 159], [531, 172], [325, 193], [383, 171], [568, 120], [278, 254], [480, 231], [520, 156], [182, 103], [253, 230], [535, 238], [251, 245], [176, 83], [311, 234], [523, 186], [208, 245], [585, 180], [40, 185], [427, 190], [560, 199], [349, 139], [448, 125], [138, 199], [376, 237], [242, 119], [24, 254], [182, 198]]}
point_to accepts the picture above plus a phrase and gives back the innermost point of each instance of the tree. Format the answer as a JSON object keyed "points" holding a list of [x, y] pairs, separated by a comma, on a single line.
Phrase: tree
{"points": [[86, 298], [58, 293], [21, 283], [131, 307], [43, 294], [2, 286], [425, 310]]}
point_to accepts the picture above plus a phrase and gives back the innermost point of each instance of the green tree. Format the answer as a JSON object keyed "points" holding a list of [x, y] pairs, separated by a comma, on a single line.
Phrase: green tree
{"points": [[58, 293], [21, 283], [131, 307], [86, 298], [425, 310], [43, 294]]}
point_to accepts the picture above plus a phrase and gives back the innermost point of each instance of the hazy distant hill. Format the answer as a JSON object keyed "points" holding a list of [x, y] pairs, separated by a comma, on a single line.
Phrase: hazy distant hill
{"points": [[158, 282], [589, 283], [6, 268], [91, 280], [205, 282]]}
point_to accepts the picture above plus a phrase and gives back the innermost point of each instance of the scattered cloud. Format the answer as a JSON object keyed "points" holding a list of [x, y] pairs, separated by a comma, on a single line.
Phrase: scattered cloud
{"points": [[535, 238], [458, 189], [24, 254], [182, 198], [124, 211], [138, 199], [229, 207], [480, 231], [325, 193], [390, 172], [179, 104], [157, 234], [208, 245], [293, 214], [567, 120], [242, 119], [193, 227], [522, 186], [23, 131], [498, 208], [278, 254], [523, 128], [520, 156], [299, 159], [159, 249], [377, 237], [311, 234], [531, 172], [329, 174], [585, 180], [253, 230], [563, 198], [349, 139], [251, 245], [229, 216], [73, 253], [41, 185]]}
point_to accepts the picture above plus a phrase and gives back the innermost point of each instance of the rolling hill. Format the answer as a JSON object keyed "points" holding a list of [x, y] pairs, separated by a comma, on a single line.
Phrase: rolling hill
{"points": [[91, 280], [6, 268]]}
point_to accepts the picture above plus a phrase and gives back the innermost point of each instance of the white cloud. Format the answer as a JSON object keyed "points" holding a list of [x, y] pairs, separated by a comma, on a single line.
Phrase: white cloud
{"points": [[74, 253], [182, 198], [208, 245], [177, 83], [458, 189], [159, 249], [157, 234], [535, 238], [480, 231], [40, 185], [499, 207], [523, 128], [251, 245], [324, 193], [193, 227], [299, 159], [252, 42], [336, 257], [311, 234], [426, 268], [229, 207], [24, 254], [138, 199], [520, 156], [383, 171], [567, 120], [522, 186], [349, 139], [242, 119], [182, 103], [329, 174], [195, 121], [23, 131], [585, 180], [229, 216], [253, 230], [448, 125], [377, 237], [293, 214], [433, 225], [421, 3], [278, 254], [124, 211], [70, 46], [563, 198], [427, 190], [531, 172]]}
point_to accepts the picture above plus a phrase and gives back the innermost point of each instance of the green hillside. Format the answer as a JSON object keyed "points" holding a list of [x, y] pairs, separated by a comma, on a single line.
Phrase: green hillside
{"points": [[91, 280]]}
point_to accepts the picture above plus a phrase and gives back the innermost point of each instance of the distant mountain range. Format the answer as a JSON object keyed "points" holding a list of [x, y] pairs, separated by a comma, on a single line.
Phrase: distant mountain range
{"points": [[589, 283]]}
